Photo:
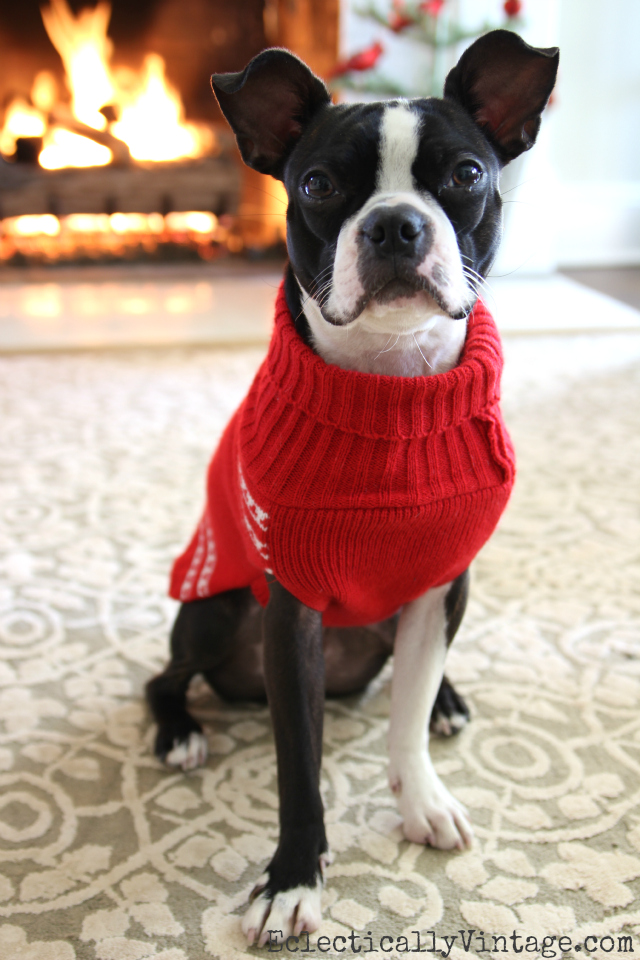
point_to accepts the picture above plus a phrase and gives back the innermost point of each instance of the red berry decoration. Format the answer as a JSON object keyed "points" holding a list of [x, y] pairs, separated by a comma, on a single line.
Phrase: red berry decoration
{"points": [[363, 60], [399, 19], [432, 7], [397, 22], [513, 8]]}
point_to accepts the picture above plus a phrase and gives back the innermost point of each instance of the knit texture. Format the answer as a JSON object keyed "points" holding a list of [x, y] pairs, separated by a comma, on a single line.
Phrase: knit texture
{"points": [[358, 492]]}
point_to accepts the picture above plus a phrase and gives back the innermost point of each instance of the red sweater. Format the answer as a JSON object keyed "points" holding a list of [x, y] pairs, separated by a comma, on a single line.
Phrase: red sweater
{"points": [[358, 492]]}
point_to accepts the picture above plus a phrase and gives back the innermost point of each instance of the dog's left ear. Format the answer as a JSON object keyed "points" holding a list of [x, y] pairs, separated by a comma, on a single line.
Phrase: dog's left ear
{"points": [[268, 105], [505, 85]]}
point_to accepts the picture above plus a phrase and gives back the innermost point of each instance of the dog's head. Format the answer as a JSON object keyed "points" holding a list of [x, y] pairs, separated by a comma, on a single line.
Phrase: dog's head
{"points": [[394, 207]]}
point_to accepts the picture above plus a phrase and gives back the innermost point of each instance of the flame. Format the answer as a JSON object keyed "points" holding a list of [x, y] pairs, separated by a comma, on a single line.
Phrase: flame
{"points": [[189, 221], [20, 120], [60, 145], [152, 125], [150, 113], [52, 239], [44, 91], [32, 225], [85, 50]]}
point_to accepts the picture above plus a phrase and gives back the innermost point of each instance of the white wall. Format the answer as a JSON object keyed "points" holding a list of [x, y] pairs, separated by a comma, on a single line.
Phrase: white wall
{"points": [[595, 145], [575, 199]]}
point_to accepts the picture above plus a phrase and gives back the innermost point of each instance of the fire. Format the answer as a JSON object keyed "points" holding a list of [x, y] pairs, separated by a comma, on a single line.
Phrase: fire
{"points": [[21, 120], [152, 124], [50, 239], [150, 115], [65, 149], [85, 51]]}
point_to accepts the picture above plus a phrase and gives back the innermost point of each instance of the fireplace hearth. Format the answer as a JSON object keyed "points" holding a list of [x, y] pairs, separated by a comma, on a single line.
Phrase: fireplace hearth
{"points": [[110, 138]]}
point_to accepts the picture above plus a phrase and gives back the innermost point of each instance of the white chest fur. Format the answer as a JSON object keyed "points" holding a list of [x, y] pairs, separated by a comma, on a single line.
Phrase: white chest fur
{"points": [[384, 348]]}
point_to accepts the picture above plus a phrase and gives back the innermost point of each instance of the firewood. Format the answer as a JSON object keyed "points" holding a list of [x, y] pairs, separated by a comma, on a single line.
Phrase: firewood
{"points": [[210, 183], [64, 118]]}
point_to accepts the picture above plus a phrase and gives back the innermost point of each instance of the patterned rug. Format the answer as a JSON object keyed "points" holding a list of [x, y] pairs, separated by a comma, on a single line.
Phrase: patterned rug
{"points": [[107, 856]]}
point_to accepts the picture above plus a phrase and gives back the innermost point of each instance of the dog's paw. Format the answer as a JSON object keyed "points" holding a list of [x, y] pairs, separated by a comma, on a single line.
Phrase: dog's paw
{"points": [[188, 754], [430, 813], [184, 747], [272, 918], [450, 712]]}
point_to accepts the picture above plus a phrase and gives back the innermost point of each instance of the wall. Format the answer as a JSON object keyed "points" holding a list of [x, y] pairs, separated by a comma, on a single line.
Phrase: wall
{"points": [[595, 147]]}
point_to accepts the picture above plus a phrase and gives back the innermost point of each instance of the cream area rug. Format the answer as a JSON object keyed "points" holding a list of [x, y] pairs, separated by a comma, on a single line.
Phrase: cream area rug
{"points": [[105, 855]]}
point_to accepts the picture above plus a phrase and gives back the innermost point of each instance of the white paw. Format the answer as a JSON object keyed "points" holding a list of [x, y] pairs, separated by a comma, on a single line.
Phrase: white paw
{"points": [[287, 914], [431, 814], [448, 726], [188, 754]]}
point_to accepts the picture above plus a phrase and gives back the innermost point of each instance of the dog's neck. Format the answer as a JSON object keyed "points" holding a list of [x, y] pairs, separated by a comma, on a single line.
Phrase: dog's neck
{"points": [[421, 349]]}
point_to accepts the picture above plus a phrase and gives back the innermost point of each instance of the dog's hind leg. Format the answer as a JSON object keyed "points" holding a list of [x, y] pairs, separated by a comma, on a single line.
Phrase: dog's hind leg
{"points": [[201, 637], [450, 712], [431, 814]]}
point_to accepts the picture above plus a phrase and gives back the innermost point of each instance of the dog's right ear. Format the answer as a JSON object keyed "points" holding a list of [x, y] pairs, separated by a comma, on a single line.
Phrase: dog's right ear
{"points": [[268, 105]]}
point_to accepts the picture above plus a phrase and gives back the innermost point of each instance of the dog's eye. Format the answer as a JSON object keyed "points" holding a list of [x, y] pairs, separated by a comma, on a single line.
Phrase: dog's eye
{"points": [[318, 186], [465, 174]]}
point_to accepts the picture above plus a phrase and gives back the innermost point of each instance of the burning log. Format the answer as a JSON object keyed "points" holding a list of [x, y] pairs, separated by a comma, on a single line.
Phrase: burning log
{"points": [[119, 149], [109, 119], [209, 183]]}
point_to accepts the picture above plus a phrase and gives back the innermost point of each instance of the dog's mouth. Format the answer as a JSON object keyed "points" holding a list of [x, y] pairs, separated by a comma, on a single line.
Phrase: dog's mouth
{"points": [[398, 290]]}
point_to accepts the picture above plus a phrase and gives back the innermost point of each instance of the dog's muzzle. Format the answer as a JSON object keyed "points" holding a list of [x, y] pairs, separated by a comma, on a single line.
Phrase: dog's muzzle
{"points": [[399, 232], [393, 241]]}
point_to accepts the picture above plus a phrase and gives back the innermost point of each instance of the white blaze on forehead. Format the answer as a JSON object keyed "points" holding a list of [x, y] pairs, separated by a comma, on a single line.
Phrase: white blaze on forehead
{"points": [[398, 149], [399, 140]]}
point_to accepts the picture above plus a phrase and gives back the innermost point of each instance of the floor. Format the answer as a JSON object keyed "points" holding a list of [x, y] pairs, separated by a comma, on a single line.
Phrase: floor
{"points": [[622, 283], [108, 856], [96, 308]]}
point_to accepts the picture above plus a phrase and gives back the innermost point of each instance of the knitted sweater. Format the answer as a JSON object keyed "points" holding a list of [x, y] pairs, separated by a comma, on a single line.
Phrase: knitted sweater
{"points": [[358, 492]]}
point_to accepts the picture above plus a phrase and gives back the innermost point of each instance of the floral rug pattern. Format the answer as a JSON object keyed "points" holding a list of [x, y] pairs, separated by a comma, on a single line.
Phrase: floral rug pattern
{"points": [[104, 855]]}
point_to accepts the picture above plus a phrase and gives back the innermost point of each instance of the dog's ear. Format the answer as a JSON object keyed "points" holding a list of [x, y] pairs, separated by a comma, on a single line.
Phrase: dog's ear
{"points": [[268, 104], [505, 85]]}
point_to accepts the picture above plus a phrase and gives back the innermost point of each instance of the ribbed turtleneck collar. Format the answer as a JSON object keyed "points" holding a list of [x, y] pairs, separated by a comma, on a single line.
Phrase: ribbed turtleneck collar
{"points": [[384, 406]]}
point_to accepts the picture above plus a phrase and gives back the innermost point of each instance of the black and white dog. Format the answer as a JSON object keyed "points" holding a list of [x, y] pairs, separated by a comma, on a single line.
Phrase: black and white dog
{"points": [[394, 218]]}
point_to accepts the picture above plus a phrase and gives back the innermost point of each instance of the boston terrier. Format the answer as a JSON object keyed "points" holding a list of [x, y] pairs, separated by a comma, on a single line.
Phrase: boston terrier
{"points": [[323, 547]]}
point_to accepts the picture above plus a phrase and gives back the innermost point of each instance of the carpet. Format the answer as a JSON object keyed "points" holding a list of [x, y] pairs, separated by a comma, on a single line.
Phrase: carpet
{"points": [[107, 856]]}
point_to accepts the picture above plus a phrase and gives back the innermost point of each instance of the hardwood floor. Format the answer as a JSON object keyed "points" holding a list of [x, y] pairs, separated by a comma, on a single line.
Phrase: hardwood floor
{"points": [[621, 283]]}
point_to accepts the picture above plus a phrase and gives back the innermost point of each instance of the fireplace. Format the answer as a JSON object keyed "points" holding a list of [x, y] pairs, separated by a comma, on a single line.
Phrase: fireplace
{"points": [[111, 143]]}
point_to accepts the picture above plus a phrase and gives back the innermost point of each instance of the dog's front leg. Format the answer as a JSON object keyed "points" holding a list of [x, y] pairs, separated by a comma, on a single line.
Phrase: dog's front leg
{"points": [[287, 899], [431, 814]]}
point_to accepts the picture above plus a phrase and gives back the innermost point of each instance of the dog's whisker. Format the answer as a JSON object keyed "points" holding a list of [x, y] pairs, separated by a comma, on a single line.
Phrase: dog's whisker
{"points": [[387, 348], [323, 278], [317, 280], [474, 283], [303, 304], [420, 351], [325, 293], [478, 283], [469, 271]]}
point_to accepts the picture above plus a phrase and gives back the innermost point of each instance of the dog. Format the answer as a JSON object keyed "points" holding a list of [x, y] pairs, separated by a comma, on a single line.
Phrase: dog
{"points": [[323, 548]]}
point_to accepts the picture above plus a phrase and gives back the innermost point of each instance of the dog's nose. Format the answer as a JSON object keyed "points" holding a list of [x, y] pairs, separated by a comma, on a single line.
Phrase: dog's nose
{"points": [[398, 231]]}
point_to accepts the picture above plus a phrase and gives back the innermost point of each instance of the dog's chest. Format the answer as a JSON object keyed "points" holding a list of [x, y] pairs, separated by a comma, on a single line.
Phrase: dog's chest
{"points": [[366, 350]]}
